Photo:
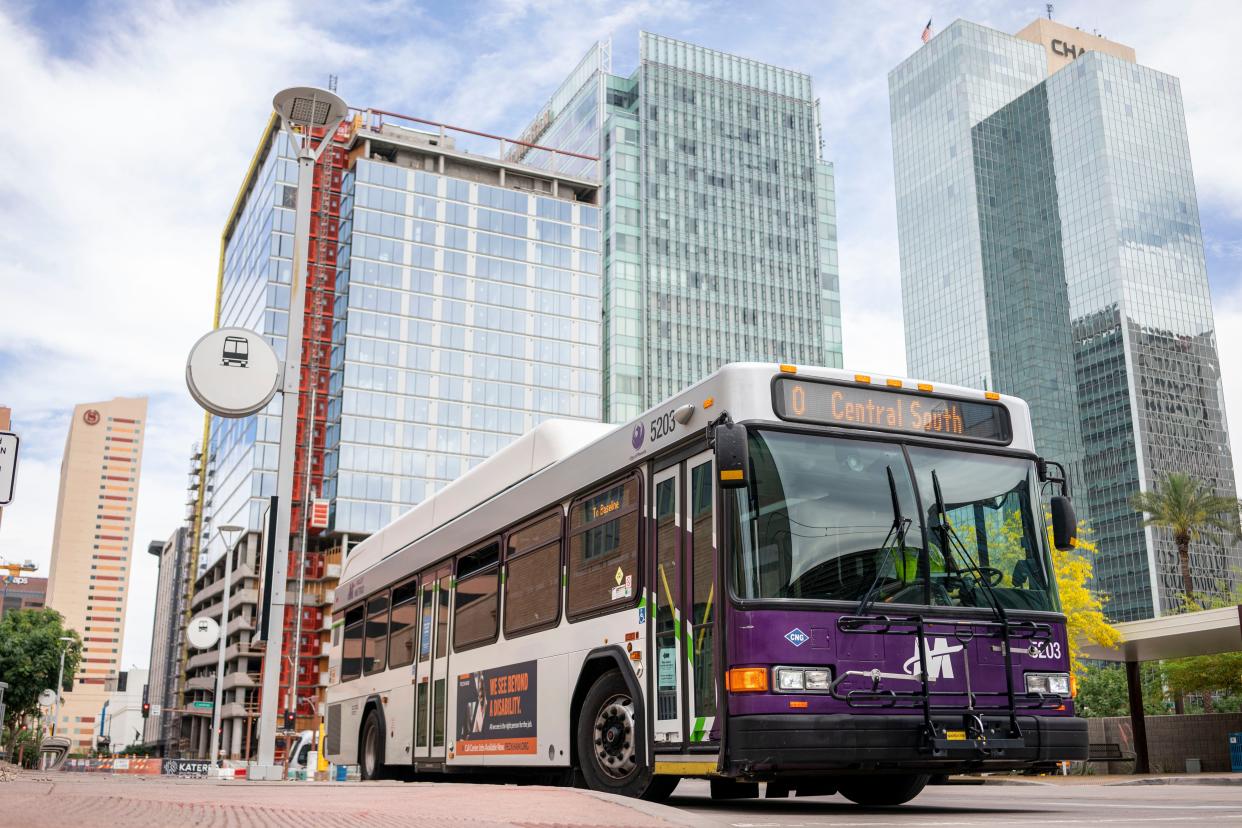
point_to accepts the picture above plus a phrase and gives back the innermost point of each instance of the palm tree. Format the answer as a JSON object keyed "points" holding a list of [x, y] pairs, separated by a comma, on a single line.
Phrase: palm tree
{"points": [[1189, 509]]}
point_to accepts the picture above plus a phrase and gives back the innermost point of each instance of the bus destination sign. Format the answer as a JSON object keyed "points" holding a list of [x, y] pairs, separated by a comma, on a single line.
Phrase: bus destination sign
{"points": [[890, 410]]}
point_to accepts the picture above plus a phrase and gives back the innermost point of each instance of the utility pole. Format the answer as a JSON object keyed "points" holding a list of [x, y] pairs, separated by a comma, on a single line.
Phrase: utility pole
{"points": [[302, 110]]}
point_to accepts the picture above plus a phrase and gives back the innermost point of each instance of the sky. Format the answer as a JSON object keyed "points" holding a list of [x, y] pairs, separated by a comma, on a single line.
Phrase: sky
{"points": [[131, 124]]}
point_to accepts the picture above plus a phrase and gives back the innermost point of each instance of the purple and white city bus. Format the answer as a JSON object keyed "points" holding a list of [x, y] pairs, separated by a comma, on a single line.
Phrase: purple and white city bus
{"points": [[816, 579]]}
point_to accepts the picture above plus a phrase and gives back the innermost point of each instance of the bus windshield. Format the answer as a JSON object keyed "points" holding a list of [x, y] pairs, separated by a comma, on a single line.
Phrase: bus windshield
{"points": [[828, 518]]}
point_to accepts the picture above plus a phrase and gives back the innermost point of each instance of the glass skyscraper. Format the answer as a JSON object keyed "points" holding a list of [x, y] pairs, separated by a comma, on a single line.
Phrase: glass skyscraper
{"points": [[1050, 248], [719, 214], [467, 311]]}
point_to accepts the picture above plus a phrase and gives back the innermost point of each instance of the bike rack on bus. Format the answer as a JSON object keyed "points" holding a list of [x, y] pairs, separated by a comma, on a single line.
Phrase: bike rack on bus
{"points": [[974, 734]]}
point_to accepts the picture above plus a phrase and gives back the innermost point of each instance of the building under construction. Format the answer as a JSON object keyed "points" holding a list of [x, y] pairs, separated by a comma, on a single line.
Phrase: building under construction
{"points": [[452, 303]]}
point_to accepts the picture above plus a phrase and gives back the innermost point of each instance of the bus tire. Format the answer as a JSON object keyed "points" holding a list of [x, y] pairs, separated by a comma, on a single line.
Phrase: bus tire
{"points": [[883, 791], [371, 747], [607, 743]]}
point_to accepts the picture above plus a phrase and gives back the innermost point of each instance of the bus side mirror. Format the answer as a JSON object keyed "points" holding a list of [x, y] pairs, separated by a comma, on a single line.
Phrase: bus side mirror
{"points": [[1064, 522], [731, 455]]}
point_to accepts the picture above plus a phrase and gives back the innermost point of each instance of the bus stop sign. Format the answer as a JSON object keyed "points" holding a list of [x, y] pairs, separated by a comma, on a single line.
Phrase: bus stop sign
{"points": [[232, 372]]}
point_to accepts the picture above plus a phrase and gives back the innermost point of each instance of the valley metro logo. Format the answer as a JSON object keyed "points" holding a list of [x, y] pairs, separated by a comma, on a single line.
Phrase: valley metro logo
{"points": [[939, 662]]}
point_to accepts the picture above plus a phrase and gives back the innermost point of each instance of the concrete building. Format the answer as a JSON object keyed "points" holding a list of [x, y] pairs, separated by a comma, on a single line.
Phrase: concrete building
{"points": [[719, 214], [162, 727], [240, 705], [92, 549], [123, 724], [23, 592], [1051, 248]]}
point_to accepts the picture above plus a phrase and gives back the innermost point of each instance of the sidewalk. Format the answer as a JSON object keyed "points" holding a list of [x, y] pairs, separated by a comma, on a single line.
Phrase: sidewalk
{"points": [[52, 800]]}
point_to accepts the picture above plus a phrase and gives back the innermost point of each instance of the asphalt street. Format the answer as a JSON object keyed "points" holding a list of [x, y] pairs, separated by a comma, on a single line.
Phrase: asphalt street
{"points": [[1022, 803]]}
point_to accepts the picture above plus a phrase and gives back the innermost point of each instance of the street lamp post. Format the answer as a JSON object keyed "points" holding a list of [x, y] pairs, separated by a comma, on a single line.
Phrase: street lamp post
{"points": [[229, 532], [60, 680], [301, 110]]}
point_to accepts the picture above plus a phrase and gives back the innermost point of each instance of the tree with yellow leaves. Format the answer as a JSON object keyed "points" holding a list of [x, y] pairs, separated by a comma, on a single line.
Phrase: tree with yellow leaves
{"points": [[1084, 609]]}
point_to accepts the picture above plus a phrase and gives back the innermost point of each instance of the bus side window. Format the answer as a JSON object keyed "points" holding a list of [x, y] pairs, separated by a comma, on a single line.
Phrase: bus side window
{"points": [[351, 657], [477, 607], [404, 624], [377, 633], [533, 576], [603, 549]]}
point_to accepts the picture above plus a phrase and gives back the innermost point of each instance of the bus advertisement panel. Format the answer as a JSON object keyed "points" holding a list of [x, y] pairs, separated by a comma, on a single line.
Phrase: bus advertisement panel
{"points": [[497, 711]]}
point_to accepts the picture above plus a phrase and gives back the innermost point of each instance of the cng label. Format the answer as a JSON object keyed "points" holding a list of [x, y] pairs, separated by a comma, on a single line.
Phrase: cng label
{"points": [[797, 637]]}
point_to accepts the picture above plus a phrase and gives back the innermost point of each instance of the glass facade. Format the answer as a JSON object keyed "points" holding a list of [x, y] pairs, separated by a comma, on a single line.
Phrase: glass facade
{"points": [[719, 215], [1050, 248], [258, 261], [465, 315]]}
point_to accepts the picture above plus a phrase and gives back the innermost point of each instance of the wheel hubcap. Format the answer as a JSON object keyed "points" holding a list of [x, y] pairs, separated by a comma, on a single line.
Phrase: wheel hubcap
{"points": [[370, 751], [614, 737]]}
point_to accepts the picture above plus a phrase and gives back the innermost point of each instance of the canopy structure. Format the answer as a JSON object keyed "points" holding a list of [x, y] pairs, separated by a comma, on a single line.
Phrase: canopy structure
{"points": [[1173, 636]]}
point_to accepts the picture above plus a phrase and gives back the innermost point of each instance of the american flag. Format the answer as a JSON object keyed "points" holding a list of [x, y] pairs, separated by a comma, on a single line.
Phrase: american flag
{"points": [[927, 32]]}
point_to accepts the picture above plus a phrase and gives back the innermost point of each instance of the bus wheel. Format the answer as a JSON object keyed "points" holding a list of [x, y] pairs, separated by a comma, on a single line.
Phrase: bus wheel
{"points": [[608, 743], [881, 791], [371, 748]]}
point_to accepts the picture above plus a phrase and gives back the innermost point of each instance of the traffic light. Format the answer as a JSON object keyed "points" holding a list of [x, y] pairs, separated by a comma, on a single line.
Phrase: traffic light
{"points": [[290, 720], [146, 709], [146, 705]]}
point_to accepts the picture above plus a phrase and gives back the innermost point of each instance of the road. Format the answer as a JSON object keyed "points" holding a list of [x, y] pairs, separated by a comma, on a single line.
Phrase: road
{"points": [[71, 800], [947, 806]]}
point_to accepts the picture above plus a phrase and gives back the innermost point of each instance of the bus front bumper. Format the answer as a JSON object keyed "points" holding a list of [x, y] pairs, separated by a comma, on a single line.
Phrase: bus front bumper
{"points": [[766, 745]]}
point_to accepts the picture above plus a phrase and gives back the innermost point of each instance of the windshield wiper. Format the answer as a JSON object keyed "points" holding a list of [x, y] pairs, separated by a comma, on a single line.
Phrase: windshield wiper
{"points": [[899, 527], [947, 533]]}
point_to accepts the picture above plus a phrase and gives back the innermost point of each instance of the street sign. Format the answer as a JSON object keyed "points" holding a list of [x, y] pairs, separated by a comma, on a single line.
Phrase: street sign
{"points": [[156, 710], [8, 465], [232, 372], [47, 698], [203, 632], [202, 705]]}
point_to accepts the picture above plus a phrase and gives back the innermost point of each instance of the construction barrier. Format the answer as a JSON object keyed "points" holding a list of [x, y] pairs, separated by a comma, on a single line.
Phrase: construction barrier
{"points": [[116, 764]]}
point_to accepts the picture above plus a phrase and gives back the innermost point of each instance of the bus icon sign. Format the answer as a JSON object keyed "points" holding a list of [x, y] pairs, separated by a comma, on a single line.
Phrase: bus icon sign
{"points": [[232, 372], [236, 351]]}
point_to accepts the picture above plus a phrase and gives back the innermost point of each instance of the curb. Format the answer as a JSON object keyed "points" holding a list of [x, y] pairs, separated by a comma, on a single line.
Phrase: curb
{"points": [[668, 813], [1180, 780]]}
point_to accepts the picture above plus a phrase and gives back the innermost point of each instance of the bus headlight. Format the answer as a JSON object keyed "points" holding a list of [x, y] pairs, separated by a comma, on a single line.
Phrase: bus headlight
{"points": [[790, 678], [1048, 684], [803, 679]]}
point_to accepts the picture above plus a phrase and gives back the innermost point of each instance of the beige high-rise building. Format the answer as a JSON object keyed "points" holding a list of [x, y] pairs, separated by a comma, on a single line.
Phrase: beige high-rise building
{"points": [[92, 549]]}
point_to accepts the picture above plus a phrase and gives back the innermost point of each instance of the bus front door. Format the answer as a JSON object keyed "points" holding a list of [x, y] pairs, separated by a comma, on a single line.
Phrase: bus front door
{"points": [[702, 599], [685, 603], [666, 615]]}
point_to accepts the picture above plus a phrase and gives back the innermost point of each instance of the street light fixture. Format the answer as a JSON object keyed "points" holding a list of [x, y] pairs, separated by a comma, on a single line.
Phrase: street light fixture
{"points": [[229, 533], [60, 679], [303, 110]]}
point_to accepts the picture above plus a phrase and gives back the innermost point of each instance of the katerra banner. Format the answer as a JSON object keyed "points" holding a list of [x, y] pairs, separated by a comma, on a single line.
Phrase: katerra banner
{"points": [[496, 713]]}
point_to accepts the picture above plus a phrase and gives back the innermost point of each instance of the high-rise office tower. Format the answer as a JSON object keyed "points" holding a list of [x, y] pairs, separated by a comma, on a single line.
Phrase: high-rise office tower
{"points": [[1051, 248], [452, 303], [92, 550], [719, 214]]}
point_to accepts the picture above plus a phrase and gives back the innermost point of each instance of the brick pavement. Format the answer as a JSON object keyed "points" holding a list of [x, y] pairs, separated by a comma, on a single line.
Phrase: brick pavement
{"points": [[53, 800]]}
